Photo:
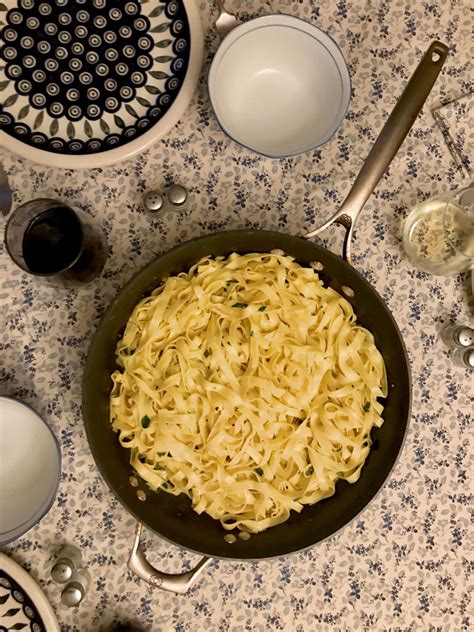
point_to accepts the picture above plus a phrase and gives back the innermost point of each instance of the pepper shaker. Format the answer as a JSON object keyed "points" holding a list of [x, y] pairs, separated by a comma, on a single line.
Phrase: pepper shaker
{"points": [[174, 198], [69, 560], [153, 201], [458, 336]]}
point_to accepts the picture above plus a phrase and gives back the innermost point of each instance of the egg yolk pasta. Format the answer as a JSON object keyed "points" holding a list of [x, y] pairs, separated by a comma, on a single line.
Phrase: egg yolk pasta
{"points": [[247, 385]]}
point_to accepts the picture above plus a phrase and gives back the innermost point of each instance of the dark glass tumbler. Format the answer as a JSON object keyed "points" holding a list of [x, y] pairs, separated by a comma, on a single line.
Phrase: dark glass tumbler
{"points": [[49, 239]]}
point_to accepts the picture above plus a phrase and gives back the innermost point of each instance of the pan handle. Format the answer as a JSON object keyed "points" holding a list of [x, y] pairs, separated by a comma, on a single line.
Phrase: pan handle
{"points": [[387, 144], [179, 583]]}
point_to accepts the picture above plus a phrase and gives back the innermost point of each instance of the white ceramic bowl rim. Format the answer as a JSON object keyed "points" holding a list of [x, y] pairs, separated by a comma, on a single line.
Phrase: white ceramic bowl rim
{"points": [[42, 510], [144, 141], [323, 38]]}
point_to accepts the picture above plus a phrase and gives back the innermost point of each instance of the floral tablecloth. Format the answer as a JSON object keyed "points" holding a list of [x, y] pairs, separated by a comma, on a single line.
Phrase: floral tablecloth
{"points": [[404, 564]]}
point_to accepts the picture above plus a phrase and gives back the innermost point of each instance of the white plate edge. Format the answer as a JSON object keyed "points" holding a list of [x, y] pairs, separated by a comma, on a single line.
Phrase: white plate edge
{"points": [[17, 533]]}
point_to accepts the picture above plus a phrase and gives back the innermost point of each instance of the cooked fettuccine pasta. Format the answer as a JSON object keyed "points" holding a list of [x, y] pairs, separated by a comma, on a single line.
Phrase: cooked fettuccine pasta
{"points": [[249, 386]]}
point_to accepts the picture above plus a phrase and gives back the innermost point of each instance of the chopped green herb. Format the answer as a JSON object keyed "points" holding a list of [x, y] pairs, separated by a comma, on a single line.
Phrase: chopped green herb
{"points": [[141, 458], [145, 421], [259, 471], [309, 470], [158, 466], [241, 305], [161, 453], [206, 353], [262, 308], [165, 486], [228, 342], [366, 407]]}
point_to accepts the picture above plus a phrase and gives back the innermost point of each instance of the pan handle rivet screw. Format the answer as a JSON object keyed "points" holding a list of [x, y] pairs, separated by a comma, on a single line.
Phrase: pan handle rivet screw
{"points": [[230, 538]]}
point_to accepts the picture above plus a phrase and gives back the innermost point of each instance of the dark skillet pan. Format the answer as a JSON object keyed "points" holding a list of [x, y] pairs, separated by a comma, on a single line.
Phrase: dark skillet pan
{"points": [[172, 517]]}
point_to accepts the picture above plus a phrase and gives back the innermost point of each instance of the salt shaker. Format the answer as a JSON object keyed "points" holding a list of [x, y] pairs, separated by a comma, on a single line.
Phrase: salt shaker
{"points": [[176, 196], [75, 590], [69, 560], [172, 199], [458, 336], [463, 357]]}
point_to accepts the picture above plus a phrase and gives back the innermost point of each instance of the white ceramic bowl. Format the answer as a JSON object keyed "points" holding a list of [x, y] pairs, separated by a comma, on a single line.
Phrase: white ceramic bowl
{"points": [[30, 467], [279, 86]]}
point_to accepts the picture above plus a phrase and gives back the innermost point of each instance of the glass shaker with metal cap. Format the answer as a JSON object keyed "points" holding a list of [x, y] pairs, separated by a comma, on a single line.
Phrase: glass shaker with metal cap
{"points": [[458, 336], [463, 357], [69, 560]]}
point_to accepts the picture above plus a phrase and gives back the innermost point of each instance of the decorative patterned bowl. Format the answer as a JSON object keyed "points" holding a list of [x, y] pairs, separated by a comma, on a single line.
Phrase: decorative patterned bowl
{"points": [[279, 85], [86, 83], [23, 605]]}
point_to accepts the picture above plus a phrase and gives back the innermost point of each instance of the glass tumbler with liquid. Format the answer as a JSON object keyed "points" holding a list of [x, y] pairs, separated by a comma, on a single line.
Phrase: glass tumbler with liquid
{"points": [[438, 235], [50, 239]]}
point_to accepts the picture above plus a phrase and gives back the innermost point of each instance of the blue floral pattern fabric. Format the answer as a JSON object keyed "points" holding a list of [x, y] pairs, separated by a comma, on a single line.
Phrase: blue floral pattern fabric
{"points": [[404, 563]]}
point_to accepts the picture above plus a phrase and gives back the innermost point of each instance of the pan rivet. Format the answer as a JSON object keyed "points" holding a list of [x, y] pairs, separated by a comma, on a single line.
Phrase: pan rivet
{"points": [[133, 481], [141, 494], [155, 580], [435, 57], [244, 535], [230, 538], [316, 265], [348, 291]]}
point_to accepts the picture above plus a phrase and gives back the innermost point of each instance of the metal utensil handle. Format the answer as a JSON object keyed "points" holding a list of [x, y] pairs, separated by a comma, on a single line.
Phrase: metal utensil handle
{"points": [[5, 193], [179, 583], [388, 142]]}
